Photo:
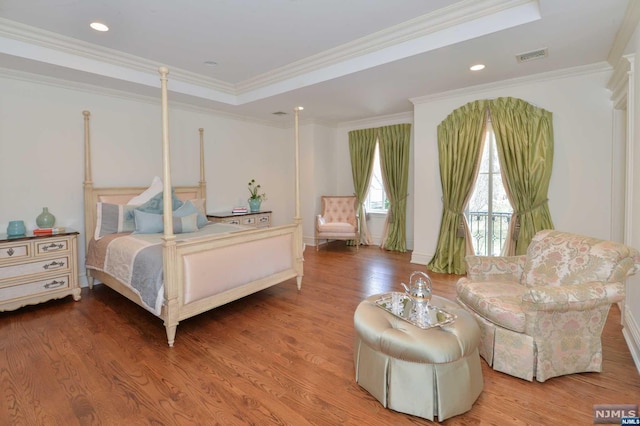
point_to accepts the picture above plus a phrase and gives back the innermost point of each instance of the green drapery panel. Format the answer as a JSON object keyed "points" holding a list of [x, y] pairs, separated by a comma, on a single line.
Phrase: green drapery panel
{"points": [[362, 144], [460, 138], [394, 162], [524, 138]]}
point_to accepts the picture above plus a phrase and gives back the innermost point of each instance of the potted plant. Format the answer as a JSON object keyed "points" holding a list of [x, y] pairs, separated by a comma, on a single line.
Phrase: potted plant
{"points": [[256, 198]]}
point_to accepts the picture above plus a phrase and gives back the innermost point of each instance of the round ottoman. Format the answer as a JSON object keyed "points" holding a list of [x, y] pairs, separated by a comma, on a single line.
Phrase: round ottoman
{"points": [[426, 373]]}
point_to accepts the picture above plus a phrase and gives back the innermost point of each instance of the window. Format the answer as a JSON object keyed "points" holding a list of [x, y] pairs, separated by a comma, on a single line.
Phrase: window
{"points": [[376, 201], [489, 211]]}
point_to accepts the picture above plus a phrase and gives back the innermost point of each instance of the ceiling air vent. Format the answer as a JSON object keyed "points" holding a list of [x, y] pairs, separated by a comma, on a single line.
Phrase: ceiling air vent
{"points": [[533, 55], [279, 113]]}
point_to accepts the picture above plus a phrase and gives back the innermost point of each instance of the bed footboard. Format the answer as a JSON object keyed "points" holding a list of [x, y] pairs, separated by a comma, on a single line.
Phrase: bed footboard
{"points": [[211, 272]]}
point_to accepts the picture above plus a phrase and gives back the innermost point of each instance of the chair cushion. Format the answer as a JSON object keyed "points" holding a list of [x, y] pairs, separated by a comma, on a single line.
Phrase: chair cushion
{"points": [[497, 301], [339, 209], [337, 227]]}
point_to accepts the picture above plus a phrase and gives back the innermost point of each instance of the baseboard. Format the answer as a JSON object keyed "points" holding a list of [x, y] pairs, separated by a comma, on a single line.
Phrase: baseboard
{"points": [[421, 258], [631, 333], [82, 280], [310, 241]]}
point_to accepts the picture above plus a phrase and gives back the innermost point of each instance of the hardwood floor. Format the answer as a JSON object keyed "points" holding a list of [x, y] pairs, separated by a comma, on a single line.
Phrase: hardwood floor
{"points": [[277, 357]]}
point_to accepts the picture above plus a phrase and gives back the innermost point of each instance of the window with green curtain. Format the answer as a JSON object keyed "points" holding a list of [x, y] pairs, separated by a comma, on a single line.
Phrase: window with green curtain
{"points": [[394, 144], [362, 145], [524, 140], [460, 137]]}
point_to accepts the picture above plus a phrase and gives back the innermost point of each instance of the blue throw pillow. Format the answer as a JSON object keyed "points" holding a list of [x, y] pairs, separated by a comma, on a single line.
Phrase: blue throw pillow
{"points": [[189, 208], [155, 204], [151, 223]]}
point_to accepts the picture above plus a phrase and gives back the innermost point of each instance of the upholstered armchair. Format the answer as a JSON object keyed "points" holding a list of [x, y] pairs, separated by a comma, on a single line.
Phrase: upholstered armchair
{"points": [[339, 220], [541, 314]]}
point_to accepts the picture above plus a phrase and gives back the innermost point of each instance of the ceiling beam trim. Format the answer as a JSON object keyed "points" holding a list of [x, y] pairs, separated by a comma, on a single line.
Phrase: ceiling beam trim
{"points": [[462, 21]]}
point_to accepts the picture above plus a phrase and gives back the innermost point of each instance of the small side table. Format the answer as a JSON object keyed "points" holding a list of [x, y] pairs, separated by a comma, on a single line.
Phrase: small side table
{"points": [[38, 268], [261, 219]]}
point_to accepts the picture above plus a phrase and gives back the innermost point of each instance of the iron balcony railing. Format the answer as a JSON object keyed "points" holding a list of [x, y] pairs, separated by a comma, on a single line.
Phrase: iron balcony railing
{"points": [[488, 236]]}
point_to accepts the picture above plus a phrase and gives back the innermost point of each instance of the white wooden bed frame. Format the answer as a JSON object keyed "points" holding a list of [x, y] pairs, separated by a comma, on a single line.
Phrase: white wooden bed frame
{"points": [[176, 253]]}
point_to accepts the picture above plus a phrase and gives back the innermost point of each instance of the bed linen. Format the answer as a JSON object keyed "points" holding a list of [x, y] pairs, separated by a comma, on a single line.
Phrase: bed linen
{"points": [[136, 259]]}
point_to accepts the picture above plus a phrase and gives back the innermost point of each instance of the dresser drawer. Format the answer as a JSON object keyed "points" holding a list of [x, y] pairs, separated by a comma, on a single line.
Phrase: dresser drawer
{"points": [[251, 220], [35, 287], [48, 247], [256, 220], [15, 251], [263, 220], [49, 265]]}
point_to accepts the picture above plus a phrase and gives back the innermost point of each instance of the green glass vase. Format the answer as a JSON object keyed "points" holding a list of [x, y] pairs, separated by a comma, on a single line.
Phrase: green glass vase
{"points": [[45, 219]]}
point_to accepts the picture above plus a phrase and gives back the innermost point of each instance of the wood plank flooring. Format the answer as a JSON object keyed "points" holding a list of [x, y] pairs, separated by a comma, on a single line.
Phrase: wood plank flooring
{"points": [[278, 357]]}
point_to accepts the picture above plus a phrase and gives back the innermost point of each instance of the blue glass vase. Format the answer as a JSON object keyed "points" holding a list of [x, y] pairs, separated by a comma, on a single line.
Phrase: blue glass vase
{"points": [[16, 228], [254, 204]]}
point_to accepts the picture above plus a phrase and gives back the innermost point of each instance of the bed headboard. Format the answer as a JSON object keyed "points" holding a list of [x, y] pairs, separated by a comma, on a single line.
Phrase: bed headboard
{"points": [[121, 195]]}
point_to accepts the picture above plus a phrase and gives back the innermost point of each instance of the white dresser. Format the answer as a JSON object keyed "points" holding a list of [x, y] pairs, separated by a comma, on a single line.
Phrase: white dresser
{"points": [[260, 219], [34, 269]]}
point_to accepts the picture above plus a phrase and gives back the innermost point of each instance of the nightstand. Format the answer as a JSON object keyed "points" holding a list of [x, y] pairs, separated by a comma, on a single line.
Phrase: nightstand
{"points": [[261, 219], [35, 269]]}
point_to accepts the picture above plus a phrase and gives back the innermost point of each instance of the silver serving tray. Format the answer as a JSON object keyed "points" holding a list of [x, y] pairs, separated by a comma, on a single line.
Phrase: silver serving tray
{"points": [[422, 317]]}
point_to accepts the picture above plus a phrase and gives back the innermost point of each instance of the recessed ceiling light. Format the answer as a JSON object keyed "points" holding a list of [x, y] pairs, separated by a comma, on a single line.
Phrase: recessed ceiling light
{"points": [[298, 108], [476, 67], [210, 63], [98, 26]]}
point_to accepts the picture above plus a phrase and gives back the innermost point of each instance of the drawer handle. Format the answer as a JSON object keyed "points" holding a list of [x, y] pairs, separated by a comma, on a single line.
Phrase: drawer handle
{"points": [[54, 265], [53, 246], [234, 222], [10, 251], [54, 284], [264, 219]]}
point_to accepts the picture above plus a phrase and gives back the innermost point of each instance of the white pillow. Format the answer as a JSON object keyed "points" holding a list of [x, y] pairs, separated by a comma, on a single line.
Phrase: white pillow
{"points": [[149, 193]]}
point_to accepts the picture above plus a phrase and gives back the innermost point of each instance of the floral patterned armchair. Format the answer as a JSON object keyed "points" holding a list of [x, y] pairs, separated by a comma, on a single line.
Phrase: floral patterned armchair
{"points": [[339, 219], [542, 314]]}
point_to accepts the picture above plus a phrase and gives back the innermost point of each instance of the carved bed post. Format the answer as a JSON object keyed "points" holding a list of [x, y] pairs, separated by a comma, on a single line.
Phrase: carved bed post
{"points": [[297, 220], [169, 258], [203, 180], [89, 224]]}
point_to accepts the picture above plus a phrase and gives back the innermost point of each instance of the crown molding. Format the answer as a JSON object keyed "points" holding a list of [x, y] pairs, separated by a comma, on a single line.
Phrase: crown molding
{"points": [[454, 15], [626, 30], [401, 117], [461, 21], [594, 68], [129, 96], [427, 32], [619, 80], [58, 43]]}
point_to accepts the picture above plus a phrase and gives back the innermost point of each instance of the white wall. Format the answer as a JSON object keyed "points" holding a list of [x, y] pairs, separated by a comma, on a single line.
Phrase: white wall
{"points": [[580, 188], [41, 152], [317, 174]]}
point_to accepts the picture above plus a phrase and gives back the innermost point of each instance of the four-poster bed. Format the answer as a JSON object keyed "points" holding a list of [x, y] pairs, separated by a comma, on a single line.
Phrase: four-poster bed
{"points": [[199, 270]]}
